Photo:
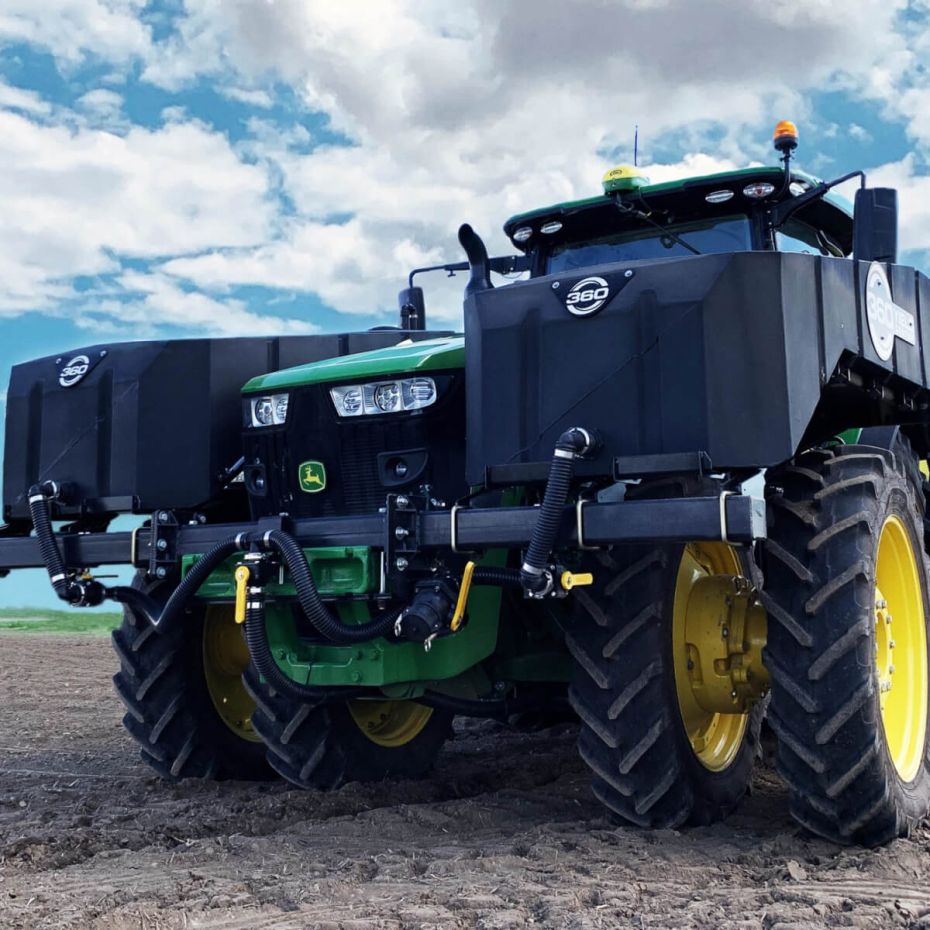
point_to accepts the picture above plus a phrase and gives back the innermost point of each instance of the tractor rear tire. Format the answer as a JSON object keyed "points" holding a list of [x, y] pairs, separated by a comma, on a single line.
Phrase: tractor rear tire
{"points": [[323, 746], [646, 763], [185, 704], [846, 593]]}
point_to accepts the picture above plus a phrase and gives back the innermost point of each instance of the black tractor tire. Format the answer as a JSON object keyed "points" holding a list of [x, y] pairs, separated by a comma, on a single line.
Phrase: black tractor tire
{"points": [[828, 514], [169, 709], [321, 746], [624, 690]]}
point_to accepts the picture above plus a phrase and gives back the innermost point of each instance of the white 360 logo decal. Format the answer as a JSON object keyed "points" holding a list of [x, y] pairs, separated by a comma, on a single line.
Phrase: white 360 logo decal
{"points": [[74, 371], [587, 296], [886, 319]]}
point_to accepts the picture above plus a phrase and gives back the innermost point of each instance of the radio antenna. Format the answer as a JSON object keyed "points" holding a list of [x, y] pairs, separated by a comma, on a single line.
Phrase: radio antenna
{"points": [[636, 146]]}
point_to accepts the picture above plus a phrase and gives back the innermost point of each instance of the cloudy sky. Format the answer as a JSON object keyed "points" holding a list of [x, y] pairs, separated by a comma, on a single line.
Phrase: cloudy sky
{"points": [[230, 167]]}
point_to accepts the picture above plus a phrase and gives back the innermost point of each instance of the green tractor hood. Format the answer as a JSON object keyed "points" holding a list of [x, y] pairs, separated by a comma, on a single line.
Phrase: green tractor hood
{"points": [[429, 355]]}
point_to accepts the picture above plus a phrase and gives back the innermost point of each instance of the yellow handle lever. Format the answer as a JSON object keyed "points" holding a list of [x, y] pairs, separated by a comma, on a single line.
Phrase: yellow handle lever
{"points": [[242, 591], [460, 605], [571, 580]]}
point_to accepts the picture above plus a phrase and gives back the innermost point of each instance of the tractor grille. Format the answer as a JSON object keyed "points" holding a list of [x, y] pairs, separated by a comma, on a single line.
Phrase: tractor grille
{"points": [[357, 454]]}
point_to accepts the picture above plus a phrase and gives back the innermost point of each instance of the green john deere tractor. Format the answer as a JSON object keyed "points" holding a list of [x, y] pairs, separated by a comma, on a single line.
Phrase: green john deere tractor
{"points": [[670, 476]]}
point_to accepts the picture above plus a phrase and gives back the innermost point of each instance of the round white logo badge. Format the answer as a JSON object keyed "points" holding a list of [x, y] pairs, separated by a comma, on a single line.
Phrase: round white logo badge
{"points": [[587, 296], [74, 371], [880, 311]]}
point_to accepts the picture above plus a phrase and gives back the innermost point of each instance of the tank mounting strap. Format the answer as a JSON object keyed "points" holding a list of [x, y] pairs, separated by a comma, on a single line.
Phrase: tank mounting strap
{"points": [[454, 531], [134, 546], [723, 515], [579, 524]]}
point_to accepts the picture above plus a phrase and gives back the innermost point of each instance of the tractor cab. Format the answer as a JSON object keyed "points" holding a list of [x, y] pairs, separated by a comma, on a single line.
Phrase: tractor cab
{"points": [[733, 211]]}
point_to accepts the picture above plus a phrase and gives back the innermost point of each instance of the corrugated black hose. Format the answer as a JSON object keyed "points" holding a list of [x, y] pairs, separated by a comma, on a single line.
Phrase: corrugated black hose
{"points": [[573, 444], [324, 622], [200, 571], [38, 496], [256, 638], [501, 577], [87, 592], [163, 618]]}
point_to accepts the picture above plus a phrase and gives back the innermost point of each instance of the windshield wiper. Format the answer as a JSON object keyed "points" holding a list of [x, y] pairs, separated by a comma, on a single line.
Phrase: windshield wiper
{"points": [[629, 210]]}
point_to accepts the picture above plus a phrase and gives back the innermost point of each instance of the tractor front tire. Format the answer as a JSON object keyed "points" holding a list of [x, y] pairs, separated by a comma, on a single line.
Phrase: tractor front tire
{"points": [[658, 760], [846, 596], [323, 746], [185, 703]]}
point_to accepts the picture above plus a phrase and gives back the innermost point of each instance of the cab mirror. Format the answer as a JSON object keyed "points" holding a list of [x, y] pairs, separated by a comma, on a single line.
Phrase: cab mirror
{"points": [[412, 306], [875, 225]]}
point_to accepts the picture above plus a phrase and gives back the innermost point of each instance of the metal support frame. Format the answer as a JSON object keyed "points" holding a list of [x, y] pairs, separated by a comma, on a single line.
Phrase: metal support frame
{"points": [[738, 518]]}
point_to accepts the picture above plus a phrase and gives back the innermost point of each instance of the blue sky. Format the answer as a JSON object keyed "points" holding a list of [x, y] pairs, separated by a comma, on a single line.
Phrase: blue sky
{"points": [[228, 167]]}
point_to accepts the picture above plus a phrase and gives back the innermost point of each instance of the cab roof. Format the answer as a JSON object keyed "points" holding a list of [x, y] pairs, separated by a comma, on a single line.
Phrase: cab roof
{"points": [[685, 194]]}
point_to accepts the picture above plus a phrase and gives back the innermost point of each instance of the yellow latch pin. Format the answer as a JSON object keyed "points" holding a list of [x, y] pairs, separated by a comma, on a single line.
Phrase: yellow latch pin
{"points": [[571, 580], [242, 576], [462, 602]]}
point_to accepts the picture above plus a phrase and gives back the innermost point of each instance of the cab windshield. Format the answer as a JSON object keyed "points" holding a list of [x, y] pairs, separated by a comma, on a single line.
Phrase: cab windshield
{"points": [[724, 234]]}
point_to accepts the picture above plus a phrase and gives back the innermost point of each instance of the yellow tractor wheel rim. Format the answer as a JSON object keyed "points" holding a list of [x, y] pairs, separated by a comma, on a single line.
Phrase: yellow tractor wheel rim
{"points": [[225, 658], [901, 648], [390, 723], [715, 737]]}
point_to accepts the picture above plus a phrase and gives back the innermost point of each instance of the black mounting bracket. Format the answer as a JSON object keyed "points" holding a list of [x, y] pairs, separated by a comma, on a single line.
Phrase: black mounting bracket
{"points": [[402, 553], [163, 554]]}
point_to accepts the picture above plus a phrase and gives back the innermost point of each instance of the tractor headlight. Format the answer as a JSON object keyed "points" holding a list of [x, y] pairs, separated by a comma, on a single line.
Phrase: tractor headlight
{"points": [[270, 410], [357, 400]]}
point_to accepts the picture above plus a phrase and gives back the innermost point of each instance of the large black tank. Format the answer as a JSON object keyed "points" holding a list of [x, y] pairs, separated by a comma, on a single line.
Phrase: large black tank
{"points": [[134, 427], [744, 357]]}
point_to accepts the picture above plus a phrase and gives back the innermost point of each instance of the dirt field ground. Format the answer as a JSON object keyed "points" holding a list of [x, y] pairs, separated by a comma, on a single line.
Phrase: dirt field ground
{"points": [[504, 834]]}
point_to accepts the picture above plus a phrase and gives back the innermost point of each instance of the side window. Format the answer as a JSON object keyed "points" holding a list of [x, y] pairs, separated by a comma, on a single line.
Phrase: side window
{"points": [[796, 236]]}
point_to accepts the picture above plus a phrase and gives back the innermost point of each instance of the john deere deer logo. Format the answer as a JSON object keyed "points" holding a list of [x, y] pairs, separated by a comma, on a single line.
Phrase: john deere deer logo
{"points": [[312, 476]]}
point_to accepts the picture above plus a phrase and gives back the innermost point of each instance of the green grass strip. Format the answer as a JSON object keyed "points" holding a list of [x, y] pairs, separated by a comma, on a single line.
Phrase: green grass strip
{"points": [[37, 620]]}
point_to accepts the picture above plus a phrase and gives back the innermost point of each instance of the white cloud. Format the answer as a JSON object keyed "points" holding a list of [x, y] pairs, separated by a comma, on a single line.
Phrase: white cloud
{"points": [[70, 29], [252, 97], [150, 301], [342, 262], [859, 133], [74, 201], [28, 101], [103, 108]]}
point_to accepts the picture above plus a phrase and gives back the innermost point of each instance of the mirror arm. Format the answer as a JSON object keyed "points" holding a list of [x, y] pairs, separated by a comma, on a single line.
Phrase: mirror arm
{"points": [[781, 212]]}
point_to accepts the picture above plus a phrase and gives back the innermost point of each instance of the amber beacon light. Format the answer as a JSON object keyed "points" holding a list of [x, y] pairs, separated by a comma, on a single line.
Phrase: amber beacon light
{"points": [[785, 137]]}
